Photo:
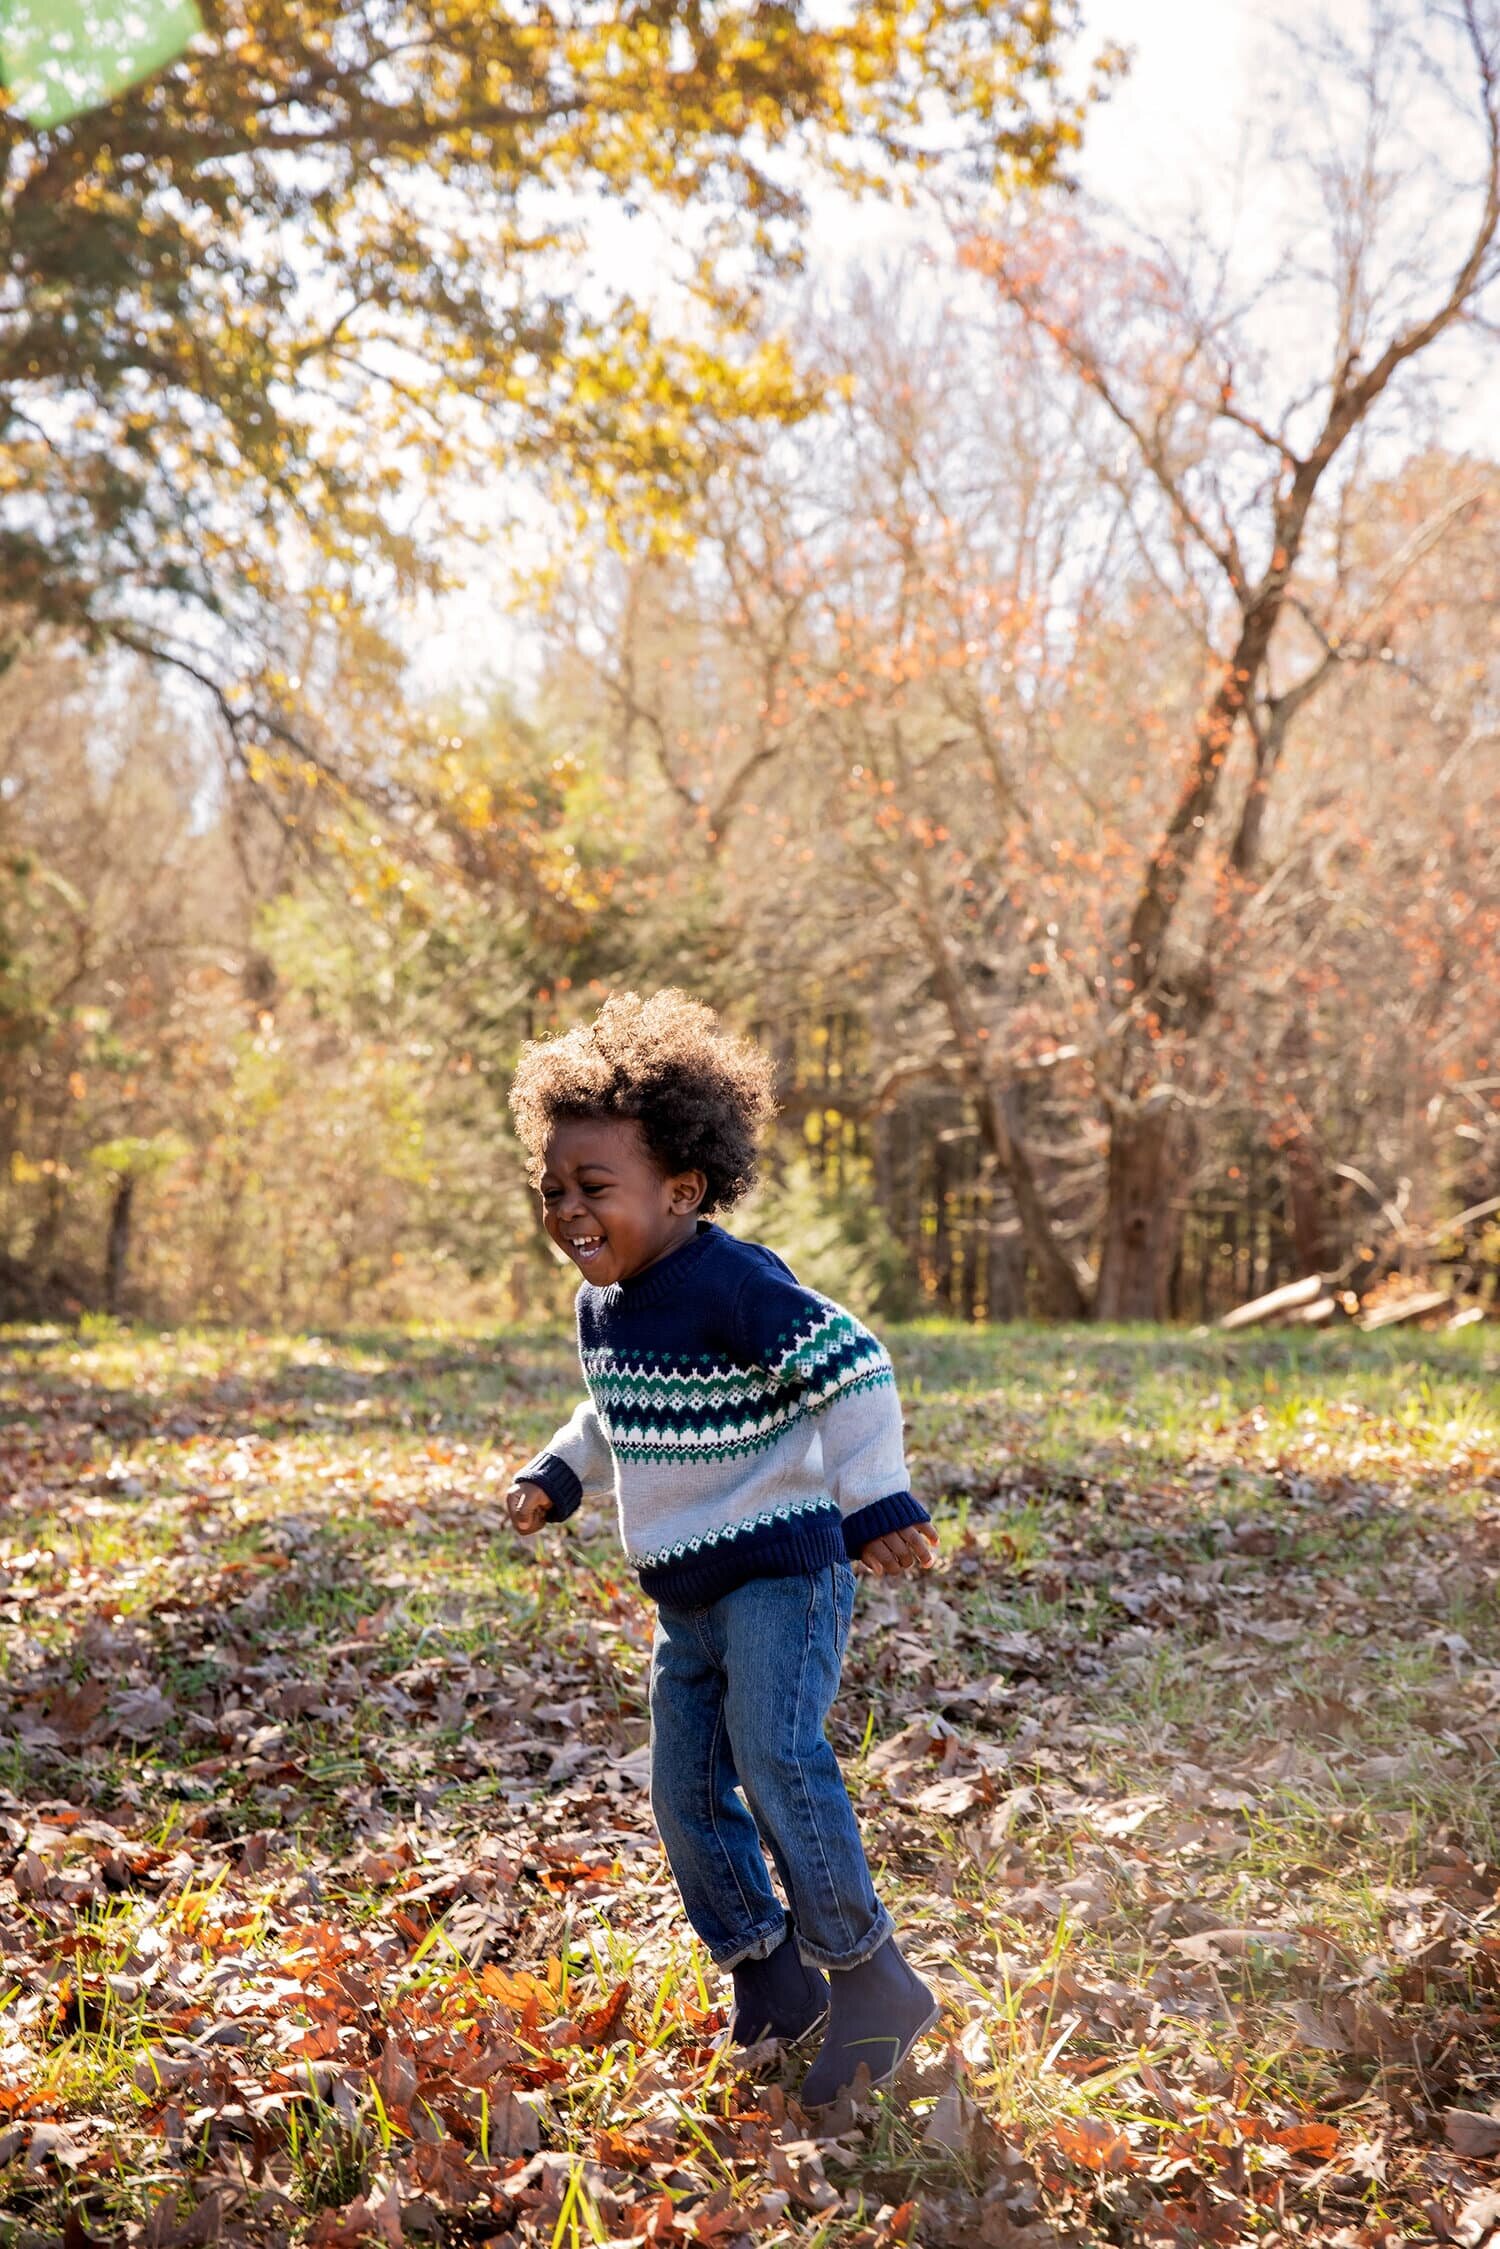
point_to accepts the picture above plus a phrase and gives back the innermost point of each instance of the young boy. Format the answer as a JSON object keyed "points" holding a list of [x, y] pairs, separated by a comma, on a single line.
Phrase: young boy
{"points": [[750, 1433]]}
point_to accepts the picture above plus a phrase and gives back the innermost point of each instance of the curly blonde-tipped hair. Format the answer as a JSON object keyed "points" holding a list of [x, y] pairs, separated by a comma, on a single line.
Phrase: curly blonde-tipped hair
{"points": [[701, 1096]]}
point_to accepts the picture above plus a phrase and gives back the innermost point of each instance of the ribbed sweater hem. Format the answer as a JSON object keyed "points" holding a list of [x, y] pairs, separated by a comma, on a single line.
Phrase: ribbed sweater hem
{"points": [[794, 1547]]}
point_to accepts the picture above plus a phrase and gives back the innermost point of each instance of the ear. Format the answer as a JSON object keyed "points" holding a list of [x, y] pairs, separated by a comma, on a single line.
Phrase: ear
{"points": [[685, 1191]]}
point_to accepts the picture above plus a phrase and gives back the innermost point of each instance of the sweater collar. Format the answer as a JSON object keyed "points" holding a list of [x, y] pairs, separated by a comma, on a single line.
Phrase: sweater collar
{"points": [[659, 1280]]}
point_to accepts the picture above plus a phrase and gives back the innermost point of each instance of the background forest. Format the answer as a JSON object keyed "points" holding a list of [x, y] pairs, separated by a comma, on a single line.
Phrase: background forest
{"points": [[1041, 679]]}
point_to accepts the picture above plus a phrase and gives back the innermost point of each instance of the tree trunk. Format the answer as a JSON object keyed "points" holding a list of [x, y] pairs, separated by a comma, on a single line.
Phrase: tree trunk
{"points": [[117, 1245], [1063, 1285], [1005, 1272], [942, 1246], [1148, 1160], [1306, 1194], [44, 1241], [1063, 1296], [969, 1251]]}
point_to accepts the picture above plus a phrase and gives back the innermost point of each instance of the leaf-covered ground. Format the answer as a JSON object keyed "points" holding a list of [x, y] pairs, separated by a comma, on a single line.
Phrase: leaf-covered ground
{"points": [[330, 1909]]}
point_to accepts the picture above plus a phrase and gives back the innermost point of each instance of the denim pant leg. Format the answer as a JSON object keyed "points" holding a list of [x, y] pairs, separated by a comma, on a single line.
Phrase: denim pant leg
{"points": [[711, 1841], [782, 1640]]}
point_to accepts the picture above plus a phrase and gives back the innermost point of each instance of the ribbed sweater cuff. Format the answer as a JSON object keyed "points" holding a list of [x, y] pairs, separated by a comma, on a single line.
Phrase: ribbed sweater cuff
{"points": [[894, 1514], [557, 1480]]}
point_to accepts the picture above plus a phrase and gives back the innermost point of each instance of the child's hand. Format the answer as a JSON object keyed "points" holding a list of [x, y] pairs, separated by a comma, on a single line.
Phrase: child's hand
{"points": [[914, 1548], [528, 1507]]}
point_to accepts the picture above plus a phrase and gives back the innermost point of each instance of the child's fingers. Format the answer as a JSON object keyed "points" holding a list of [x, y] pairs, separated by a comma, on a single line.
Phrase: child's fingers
{"points": [[528, 1507], [910, 1549]]}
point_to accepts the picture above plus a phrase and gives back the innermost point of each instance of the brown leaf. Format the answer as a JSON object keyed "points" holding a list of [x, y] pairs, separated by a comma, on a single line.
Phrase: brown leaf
{"points": [[1320, 2140], [75, 2234], [442, 2170], [317, 2044], [950, 2127], [373, 2214], [513, 2128], [999, 2229], [1359, 2027], [602, 2026], [797, 2165], [1096, 2145], [1234, 1944], [1477, 2221], [951, 1799], [31, 1876], [660, 2222], [1200, 2219], [52, 2143], [717, 2219], [517, 1989], [395, 2078], [383, 1866], [1474, 2132], [72, 1711], [1318, 2030], [141, 1711], [624, 2153]]}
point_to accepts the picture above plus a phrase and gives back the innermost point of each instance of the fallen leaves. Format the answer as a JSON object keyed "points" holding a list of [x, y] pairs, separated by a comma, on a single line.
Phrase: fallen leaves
{"points": [[1360, 2027], [1473, 2132], [1236, 1944], [330, 1910]]}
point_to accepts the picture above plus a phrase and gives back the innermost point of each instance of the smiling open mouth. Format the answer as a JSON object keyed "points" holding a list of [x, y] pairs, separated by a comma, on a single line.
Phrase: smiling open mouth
{"points": [[586, 1247]]}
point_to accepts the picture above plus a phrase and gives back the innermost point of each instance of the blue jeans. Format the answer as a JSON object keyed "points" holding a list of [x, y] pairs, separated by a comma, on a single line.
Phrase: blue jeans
{"points": [[740, 1693]]}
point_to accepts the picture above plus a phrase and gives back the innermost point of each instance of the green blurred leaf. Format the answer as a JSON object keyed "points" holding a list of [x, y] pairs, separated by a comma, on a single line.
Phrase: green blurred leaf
{"points": [[60, 57]]}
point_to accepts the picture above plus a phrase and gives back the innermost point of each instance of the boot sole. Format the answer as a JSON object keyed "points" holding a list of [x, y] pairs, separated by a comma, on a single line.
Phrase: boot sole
{"points": [[920, 2032], [798, 2038]]}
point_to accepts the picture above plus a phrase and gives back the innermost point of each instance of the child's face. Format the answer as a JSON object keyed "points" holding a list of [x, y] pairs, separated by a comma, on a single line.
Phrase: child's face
{"points": [[607, 1203]]}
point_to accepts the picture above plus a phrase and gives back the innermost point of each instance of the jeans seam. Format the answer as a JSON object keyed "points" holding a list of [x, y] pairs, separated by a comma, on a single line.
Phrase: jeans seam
{"points": [[840, 1633], [751, 1933], [816, 1831], [713, 1819]]}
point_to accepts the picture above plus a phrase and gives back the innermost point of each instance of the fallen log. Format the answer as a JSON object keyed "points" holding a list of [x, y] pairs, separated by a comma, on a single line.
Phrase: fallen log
{"points": [[1399, 1310], [1281, 1301], [1467, 1318], [1313, 1315]]}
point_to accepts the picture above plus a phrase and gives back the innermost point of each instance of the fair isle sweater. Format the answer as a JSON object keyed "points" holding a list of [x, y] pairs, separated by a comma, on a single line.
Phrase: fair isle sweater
{"points": [[746, 1426]]}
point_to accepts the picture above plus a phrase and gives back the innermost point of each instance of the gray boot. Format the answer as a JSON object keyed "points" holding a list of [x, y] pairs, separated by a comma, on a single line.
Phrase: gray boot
{"points": [[779, 1997], [877, 2013]]}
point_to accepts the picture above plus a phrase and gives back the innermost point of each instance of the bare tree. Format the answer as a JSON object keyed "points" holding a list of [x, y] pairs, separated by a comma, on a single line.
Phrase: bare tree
{"points": [[1246, 484]]}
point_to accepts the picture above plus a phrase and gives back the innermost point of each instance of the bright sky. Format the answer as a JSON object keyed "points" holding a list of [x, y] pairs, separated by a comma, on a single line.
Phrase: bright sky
{"points": [[1181, 109]]}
